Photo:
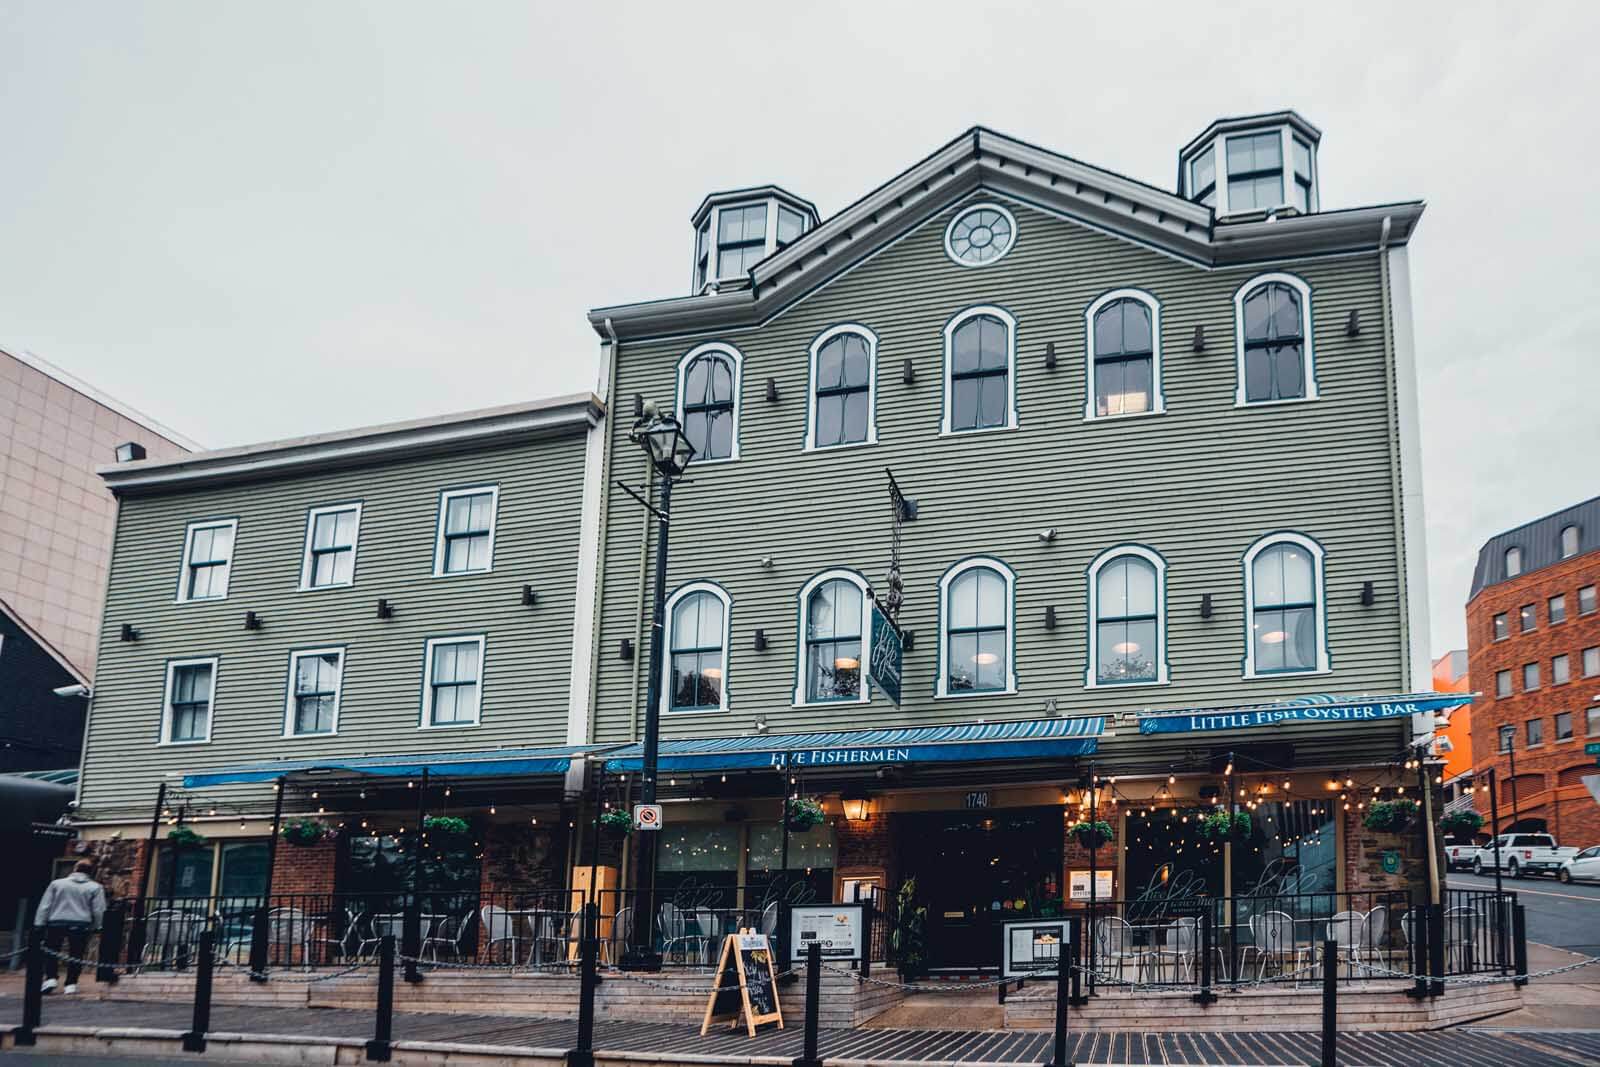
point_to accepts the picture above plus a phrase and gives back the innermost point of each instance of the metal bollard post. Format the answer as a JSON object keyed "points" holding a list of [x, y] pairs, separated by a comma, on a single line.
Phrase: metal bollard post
{"points": [[588, 949], [1066, 980], [1436, 962], [411, 941], [1330, 1003], [136, 934], [195, 1039], [378, 1049], [1519, 943], [258, 944], [1207, 952], [32, 994], [865, 966], [110, 945], [1074, 929], [1418, 951], [813, 1005]]}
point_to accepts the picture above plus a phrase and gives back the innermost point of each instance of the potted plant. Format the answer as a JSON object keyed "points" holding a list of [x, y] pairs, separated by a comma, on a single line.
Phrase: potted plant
{"points": [[1095, 834], [1221, 824], [617, 820], [908, 935], [802, 813], [445, 825], [1391, 816], [181, 837], [304, 833], [1461, 825]]}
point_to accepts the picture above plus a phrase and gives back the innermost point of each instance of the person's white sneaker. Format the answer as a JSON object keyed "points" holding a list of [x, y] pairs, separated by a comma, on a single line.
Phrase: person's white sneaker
{"points": [[48, 986], [71, 987]]}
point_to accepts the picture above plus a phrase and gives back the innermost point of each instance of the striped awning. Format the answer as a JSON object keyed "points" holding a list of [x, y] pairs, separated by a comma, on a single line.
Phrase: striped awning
{"points": [[1317, 708], [965, 742], [495, 762]]}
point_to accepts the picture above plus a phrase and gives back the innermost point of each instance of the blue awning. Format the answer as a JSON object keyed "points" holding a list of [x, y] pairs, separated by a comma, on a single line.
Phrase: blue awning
{"points": [[1031, 739], [1320, 708], [495, 762]]}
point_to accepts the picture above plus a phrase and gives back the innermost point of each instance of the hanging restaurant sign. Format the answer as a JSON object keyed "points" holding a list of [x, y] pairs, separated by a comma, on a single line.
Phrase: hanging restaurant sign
{"points": [[884, 655], [1324, 709]]}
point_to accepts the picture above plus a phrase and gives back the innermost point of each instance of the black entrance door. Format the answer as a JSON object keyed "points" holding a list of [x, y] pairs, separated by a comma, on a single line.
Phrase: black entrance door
{"points": [[976, 870]]}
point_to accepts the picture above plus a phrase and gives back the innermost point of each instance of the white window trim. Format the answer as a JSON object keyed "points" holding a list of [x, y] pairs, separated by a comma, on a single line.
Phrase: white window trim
{"points": [[942, 683], [1091, 671], [338, 689], [735, 357], [444, 506], [166, 700], [1505, 561], [355, 546], [987, 205], [428, 646], [188, 546], [1300, 286], [811, 390], [714, 273], [666, 647], [1219, 147], [1319, 588], [950, 328], [1158, 399], [802, 609]]}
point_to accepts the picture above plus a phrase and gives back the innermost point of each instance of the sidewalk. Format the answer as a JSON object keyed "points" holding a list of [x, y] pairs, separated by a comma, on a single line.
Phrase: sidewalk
{"points": [[307, 1036], [1563, 1001]]}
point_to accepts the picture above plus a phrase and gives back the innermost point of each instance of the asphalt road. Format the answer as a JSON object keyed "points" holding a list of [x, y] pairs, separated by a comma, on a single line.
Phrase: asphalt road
{"points": [[1566, 916]]}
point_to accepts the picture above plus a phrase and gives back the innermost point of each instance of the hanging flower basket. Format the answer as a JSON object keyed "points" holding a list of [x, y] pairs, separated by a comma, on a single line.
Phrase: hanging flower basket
{"points": [[183, 838], [1091, 835], [1461, 824], [1391, 816], [617, 820], [1219, 825], [445, 825], [802, 813], [303, 833]]}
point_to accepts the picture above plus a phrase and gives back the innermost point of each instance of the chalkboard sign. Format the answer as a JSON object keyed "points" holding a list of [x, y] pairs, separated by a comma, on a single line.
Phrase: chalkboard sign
{"points": [[745, 984]]}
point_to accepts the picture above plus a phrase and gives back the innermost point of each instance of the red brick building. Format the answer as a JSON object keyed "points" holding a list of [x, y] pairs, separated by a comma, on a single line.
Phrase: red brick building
{"points": [[1533, 645]]}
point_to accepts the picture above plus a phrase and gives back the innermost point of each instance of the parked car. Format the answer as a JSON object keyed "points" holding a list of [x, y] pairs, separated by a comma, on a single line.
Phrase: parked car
{"points": [[1521, 854], [1458, 855], [1584, 867]]}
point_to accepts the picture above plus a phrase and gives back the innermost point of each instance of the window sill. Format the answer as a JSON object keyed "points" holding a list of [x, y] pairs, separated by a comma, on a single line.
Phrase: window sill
{"points": [[441, 726], [842, 447], [1156, 684], [976, 695], [341, 585], [677, 712], [307, 737], [1565, 740], [200, 599], [696, 464], [446, 574], [182, 744], [846, 702], [980, 431], [1257, 676], [1159, 409], [1307, 399]]}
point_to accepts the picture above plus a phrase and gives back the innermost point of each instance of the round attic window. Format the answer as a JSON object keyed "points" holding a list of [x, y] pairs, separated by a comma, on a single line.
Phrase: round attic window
{"points": [[980, 235]]}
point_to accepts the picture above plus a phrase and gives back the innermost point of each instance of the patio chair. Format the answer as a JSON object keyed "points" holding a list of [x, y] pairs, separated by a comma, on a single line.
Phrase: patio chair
{"points": [[1375, 935], [1345, 930], [769, 919], [448, 934], [287, 926], [551, 931], [1273, 943], [169, 934], [673, 928], [621, 931], [1113, 946], [1461, 926], [710, 925], [1178, 945], [500, 928]]}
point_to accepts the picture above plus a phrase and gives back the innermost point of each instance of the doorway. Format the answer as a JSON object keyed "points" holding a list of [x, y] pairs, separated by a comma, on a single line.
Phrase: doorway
{"points": [[976, 870]]}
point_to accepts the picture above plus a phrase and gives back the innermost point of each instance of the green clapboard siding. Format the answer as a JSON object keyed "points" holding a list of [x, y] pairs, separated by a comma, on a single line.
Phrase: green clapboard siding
{"points": [[1199, 483], [528, 654]]}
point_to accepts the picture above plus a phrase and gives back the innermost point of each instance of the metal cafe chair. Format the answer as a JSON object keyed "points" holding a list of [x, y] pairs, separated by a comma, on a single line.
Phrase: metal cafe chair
{"points": [[449, 934], [621, 930], [1272, 934], [1113, 944], [769, 919], [1178, 945], [288, 926], [500, 928], [1374, 934], [1345, 931], [1459, 926]]}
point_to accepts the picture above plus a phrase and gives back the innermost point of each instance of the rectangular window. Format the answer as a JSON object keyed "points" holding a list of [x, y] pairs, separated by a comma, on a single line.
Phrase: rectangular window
{"points": [[186, 716], [1203, 178], [741, 239], [791, 224], [315, 679], [1591, 662], [466, 531], [1502, 629], [330, 555], [1302, 174], [1527, 618], [1507, 735], [1593, 724], [1558, 608], [702, 240], [1530, 677], [1255, 172], [453, 682], [1586, 601], [1563, 726], [1560, 670], [1502, 683], [207, 560], [1535, 732]]}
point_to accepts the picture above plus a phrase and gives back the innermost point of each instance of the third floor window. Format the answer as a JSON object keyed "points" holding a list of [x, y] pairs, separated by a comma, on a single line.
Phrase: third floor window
{"points": [[1557, 606], [1502, 683], [1502, 629], [1530, 677], [1527, 618], [979, 347], [1560, 669], [330, 555], [207, 560], [466, 530], [1586, 600]]}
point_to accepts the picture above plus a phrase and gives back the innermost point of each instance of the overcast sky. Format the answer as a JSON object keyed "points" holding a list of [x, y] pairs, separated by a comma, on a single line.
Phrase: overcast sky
{"points": [[258, 220]]}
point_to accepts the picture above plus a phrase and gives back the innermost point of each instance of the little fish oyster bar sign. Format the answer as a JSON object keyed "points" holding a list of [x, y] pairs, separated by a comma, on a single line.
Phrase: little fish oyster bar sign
{"points": [[1330, 711]]}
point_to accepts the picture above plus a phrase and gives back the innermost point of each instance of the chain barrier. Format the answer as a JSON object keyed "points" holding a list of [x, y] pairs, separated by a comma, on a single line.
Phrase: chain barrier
{"points": [[953, 987], [1481, 979], [634, 976]]}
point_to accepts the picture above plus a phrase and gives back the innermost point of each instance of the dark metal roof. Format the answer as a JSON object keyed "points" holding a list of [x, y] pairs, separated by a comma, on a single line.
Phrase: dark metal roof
{"points": [[1540, 542]]}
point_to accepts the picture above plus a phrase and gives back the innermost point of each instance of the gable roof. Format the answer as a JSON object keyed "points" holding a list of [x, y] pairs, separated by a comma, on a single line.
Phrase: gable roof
{"points": [[983, 159], [37, 638]]}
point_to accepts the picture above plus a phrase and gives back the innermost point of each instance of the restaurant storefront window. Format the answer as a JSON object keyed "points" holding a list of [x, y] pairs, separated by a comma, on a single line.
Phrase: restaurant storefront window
{"points": [[384, 866], [808, 878], [230, 869]]}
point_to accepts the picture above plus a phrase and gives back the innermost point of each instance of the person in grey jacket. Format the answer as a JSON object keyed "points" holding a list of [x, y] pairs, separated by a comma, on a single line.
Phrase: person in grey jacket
{"points": [[69, 911]]}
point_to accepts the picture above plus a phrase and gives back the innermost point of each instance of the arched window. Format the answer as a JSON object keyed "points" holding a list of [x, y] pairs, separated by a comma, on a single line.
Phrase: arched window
{"points": [[1127, 609], [1124, 347], [1569, 542], [843, 385], [1513, 561], [697, 649], [708, 401], [1285, 630], [833, 623], [979, 387], [975, 609], [1272, 323]]}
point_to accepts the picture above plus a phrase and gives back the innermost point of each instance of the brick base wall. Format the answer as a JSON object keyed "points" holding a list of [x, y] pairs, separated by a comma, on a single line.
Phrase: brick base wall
{"points": [[1364, 851], [117, 864], [305, 869]]}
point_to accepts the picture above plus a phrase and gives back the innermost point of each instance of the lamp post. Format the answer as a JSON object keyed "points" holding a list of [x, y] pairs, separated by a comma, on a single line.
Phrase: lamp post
{"points": [[662, 438]]}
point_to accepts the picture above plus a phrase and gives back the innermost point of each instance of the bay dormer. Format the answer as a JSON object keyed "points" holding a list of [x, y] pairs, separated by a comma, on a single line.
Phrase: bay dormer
{"points": [[1253, 165], [735, 230]]}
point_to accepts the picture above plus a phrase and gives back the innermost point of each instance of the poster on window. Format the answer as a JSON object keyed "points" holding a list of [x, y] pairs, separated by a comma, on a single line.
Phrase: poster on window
{"points": [[836, 927], [1079, 885]]}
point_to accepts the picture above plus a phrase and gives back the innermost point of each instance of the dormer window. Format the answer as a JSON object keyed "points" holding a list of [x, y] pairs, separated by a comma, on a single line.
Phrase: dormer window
{"points": [[1255, 172], [1203, 177], [734, 231], [1253, 165], [741, 239]]}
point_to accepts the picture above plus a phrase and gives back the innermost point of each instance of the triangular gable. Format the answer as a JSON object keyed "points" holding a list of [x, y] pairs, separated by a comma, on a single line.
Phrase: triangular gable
{"points": [[38, 639]]}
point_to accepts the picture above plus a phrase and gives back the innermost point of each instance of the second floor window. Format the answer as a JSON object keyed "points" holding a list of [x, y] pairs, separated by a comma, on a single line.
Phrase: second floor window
{"points": [[1527, 618], [330, 558], [1530, 677], [1127, 636], [452, 688], [314, 682], [1501, 629], [1591, 662], [1125, 367], [834, 621], [1563, 726], [190, 684], [466, 530], [979, 346], [1502, 683], [1535, 732], [207, 560], [697, 642], [977, 630], [1557, 606], [842, 379], [1274, 339], [1586, 600], [1508, 734], [708, 389], [1560, 670], [1285, 607]]}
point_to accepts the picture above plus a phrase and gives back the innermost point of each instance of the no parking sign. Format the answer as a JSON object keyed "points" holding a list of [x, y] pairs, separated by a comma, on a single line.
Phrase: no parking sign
{"points": [[647, 816]]}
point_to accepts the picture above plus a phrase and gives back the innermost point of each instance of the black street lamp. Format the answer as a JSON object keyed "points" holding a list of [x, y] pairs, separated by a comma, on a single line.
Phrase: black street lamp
{"points": [[662, 438]]}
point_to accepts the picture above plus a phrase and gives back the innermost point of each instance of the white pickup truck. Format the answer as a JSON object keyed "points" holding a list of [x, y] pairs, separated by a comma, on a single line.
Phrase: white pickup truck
{"points": [[1522, 854], [1459, 855]]}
